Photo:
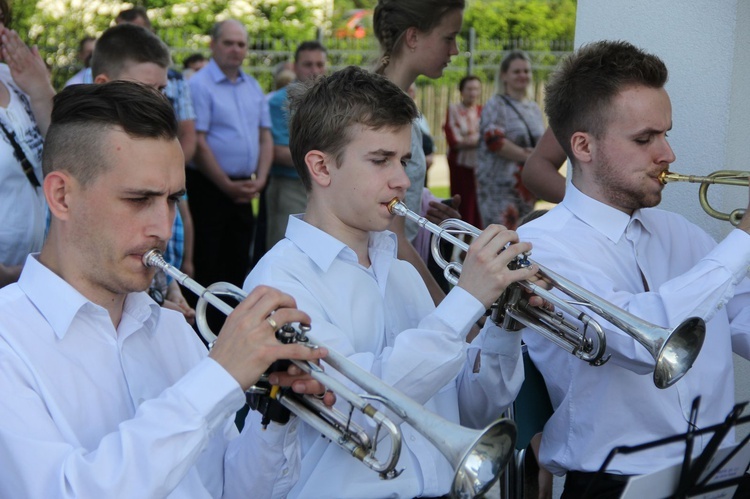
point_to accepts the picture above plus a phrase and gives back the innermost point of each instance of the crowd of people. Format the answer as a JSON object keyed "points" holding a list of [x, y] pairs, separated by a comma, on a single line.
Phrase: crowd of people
{"points": [[108, 391]]}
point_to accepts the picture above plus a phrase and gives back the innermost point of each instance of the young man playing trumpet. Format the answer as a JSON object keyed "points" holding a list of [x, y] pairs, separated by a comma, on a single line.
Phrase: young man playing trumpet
{"points": [[350, 139], [609, 110], [106, 394]]}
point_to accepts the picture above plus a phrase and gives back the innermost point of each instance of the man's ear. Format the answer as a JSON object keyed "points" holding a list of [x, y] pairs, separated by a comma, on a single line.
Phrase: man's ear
{"points": [[318, 165], [582, 145], [101, 78], [57, 188]]}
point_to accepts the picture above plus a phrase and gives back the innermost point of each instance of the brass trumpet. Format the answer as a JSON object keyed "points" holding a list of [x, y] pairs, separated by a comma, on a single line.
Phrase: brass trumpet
{"points": [[478, 456], [722, 177], [673, 350]]}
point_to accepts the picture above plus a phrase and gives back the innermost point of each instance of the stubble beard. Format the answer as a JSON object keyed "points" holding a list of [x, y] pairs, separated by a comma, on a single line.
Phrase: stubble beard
{"points": [[623, 194]]}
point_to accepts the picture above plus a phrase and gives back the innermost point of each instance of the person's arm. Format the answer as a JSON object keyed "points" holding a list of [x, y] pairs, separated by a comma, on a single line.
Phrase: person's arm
{"points": [[492, 131], [511, 151], [30, 74], [492, 376], [265, 158], [455, 136], [185, 116], [541, 173], [188, 237], [186, 136]]}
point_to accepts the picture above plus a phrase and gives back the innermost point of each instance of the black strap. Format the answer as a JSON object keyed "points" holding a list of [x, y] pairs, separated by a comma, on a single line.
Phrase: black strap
{"points": [[26, 166], [532, 141]]}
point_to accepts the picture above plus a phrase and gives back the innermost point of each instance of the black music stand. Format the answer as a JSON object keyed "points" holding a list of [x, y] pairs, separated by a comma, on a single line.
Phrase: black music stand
{"points": [[713, 470]]}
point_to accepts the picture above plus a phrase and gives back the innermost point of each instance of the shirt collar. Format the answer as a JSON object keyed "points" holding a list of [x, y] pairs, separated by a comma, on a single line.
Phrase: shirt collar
{"points": [[323, 249], [605, 219], [59, 302], [218, 76]]}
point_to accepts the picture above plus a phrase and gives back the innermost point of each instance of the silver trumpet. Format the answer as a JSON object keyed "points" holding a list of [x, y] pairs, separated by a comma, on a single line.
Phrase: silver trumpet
{"points": [[673, 350], [478, 456]]}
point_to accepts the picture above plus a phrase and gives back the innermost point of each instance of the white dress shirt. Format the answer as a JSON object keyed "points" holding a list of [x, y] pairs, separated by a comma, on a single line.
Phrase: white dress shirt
{"points": [[383, 319], [687, 274], [23, 210], [92, 412]]}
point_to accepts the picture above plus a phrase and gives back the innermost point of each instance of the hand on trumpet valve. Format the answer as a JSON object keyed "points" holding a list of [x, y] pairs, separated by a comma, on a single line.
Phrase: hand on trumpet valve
{"points": [[490, 264], [247, 344], [302, 384], [284, 376]]}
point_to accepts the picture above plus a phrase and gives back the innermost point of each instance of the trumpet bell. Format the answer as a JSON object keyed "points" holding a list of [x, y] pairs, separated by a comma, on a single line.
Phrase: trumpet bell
{"points": [[479, 467], [679, 351]]}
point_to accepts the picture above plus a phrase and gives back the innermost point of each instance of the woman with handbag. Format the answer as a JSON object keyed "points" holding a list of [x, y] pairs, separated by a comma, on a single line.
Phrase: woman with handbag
{"points": [[510, 127]]}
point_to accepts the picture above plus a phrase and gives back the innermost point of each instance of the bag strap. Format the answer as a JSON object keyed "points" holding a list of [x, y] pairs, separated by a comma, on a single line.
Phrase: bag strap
{"points": [[26, 166], [532, 141]]}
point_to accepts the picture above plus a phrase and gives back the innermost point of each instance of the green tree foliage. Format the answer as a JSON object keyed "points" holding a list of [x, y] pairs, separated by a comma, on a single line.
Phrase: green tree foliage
{"points": [[279, 25], [521, 19]]}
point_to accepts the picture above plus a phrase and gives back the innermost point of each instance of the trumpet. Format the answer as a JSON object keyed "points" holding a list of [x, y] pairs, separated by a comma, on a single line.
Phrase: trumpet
{"points": [[674, 351], [722, 177], [477, 456]]}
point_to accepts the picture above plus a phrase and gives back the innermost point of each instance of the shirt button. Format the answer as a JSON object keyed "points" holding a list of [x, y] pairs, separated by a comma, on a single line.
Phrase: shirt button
{"points": [[412, 438], [285, 472]]}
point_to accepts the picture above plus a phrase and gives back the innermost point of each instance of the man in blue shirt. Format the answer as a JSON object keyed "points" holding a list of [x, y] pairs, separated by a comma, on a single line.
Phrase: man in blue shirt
{"points": [[232, 160], [285, 193]]}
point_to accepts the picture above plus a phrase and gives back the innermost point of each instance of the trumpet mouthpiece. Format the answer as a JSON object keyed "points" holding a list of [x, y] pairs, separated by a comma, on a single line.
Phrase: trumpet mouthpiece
{"points": [[396, 207], [152, 258], [664, 177]]}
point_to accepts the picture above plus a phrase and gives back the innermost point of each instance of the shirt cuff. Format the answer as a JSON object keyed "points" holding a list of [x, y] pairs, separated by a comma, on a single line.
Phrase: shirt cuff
{"points": [[459, 310], [496, 340], [733, 253], [212, 392]]}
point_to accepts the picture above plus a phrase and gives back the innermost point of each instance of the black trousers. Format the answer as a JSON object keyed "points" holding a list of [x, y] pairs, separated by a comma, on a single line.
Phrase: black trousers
{"points": [[580, 485], [223, 232]]}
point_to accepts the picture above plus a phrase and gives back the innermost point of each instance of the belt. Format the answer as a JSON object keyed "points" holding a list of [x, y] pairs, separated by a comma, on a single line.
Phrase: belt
{"points": [[589, 476]]}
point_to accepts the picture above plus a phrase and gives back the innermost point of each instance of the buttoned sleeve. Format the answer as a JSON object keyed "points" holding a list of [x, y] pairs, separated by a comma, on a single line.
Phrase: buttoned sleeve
{"points": [[484, 395]]}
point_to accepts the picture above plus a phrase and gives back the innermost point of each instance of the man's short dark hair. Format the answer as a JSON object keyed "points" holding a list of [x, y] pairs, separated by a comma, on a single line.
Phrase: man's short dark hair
{"points": [[308, 46], [192, 59], [579, 93], [82, 114], [125, 44], [5, 9], [131, 15], [465, 80], [82, 43], [323, 112]]}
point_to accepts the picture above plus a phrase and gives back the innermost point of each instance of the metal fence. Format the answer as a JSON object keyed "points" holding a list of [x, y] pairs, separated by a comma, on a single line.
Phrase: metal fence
{"points": [[477, 56]]}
